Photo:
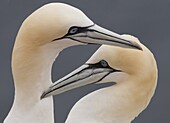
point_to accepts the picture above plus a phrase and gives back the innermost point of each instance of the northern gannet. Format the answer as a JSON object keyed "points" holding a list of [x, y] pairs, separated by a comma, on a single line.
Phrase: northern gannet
{"points": [[41, 37], [135, 75]]}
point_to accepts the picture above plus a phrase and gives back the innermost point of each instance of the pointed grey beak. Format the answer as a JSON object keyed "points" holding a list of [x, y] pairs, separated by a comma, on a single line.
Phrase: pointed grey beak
{"points": [[84, 75], [97, 35]]}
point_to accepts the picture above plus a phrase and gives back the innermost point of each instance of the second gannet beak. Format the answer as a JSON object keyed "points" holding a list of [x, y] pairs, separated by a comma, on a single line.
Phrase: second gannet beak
{"points": [[95, 34], [84, 75]]}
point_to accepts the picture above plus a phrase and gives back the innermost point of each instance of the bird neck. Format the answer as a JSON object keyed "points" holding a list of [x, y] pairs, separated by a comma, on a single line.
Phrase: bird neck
{"points": [[31, 69], [120, 103]]}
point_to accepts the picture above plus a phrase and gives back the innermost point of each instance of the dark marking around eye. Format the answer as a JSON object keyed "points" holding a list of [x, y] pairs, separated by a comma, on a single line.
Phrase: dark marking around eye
{"points": [[100, 64], [103, 63], [75, 30]]}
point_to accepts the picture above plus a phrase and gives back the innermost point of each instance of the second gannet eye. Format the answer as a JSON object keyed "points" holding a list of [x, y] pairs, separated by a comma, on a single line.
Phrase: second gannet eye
{"points": [[103, 63], [73, 30]]}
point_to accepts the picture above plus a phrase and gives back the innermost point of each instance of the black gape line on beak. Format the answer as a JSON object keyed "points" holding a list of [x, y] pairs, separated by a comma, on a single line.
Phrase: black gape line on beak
{"points": [[101, 64], [82, 76], [94, 34]]}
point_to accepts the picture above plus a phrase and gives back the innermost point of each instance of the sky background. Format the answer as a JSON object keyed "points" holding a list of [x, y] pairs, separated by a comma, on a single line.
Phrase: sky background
{"points": [[149, 20]]}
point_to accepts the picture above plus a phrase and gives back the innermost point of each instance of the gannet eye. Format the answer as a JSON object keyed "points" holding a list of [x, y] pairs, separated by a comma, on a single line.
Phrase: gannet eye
{"points": [[73, 30], [103, 63]]}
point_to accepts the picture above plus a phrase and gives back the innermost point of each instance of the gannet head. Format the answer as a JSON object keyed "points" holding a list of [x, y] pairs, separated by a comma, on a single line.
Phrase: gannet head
{"points": [[58, 22], [110, 64]]}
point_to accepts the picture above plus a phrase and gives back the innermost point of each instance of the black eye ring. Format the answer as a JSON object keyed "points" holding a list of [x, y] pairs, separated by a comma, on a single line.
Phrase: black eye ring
{"points": [[73, 30], [104, 63]]}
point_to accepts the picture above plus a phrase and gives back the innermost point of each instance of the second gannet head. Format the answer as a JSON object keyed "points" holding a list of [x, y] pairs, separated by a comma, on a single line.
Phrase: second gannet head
{"points": [[111, 64], [63, 25], [133, 71]]}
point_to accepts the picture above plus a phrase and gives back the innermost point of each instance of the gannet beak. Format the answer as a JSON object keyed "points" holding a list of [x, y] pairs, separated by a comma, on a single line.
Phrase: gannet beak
{"points": [[95, 34], [84, 75]]}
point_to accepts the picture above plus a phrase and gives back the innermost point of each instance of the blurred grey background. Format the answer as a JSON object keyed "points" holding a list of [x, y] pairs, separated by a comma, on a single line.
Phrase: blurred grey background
{"points": [[149, 20]]}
